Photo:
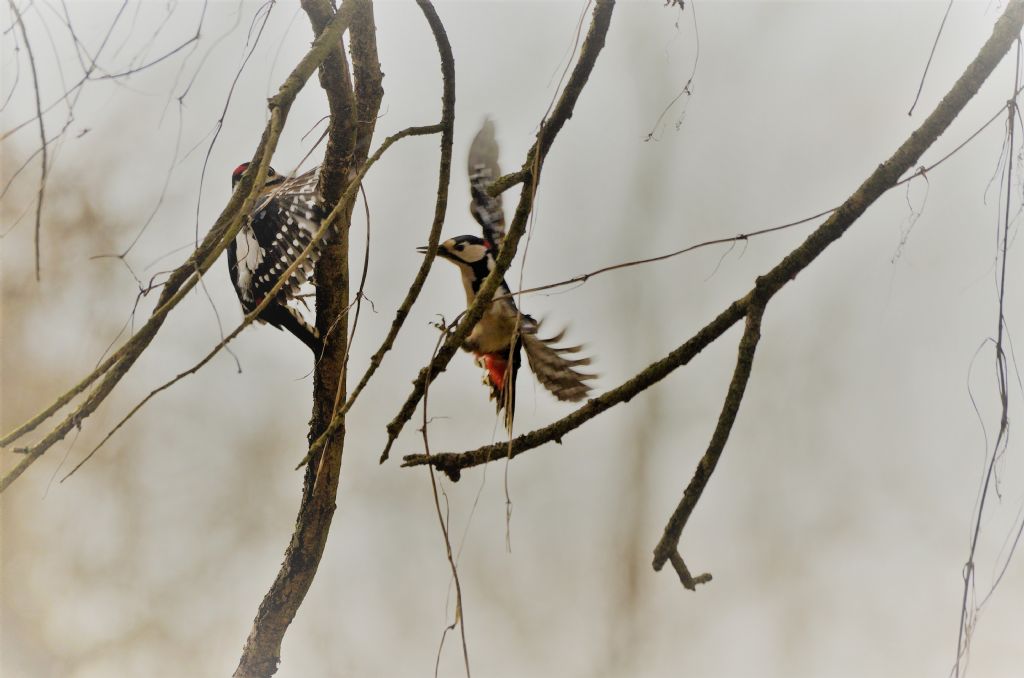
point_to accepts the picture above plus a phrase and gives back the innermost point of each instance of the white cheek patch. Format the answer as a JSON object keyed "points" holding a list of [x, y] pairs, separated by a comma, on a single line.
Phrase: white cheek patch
{"points": [[471, 253]]}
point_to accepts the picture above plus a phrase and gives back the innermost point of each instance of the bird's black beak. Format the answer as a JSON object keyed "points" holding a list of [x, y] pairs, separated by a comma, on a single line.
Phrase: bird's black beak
{"points": [[422, 250]]}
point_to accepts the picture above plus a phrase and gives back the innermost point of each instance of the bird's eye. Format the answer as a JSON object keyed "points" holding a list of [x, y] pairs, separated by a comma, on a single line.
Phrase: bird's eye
{"points": [[460, 246]]}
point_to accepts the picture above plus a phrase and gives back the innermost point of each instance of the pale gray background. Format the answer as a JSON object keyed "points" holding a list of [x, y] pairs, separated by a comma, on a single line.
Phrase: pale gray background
{"points": [[837, 524]]}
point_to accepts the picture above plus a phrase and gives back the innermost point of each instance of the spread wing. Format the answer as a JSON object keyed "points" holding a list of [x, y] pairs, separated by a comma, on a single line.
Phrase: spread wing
{"points": [[483, 170], [553, 365], [282, 226]]}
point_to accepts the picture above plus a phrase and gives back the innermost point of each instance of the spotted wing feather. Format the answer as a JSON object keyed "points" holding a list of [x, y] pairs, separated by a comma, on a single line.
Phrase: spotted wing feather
{"points": [[284, 223]]}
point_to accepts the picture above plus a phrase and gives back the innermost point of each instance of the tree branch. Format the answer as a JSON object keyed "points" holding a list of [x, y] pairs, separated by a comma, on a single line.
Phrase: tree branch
{"points": [[744, 361], [447, 129], [262, 649], [42, 127], [367, 76]]}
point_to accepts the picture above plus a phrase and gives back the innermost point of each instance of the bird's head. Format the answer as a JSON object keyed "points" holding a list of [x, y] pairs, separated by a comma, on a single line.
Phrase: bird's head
{"points": [[236, 176], [464, 250]]}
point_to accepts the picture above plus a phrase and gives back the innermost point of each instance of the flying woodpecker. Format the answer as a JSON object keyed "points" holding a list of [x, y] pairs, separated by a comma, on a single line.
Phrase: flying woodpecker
{"points": [[285, 217], [503, 332]]}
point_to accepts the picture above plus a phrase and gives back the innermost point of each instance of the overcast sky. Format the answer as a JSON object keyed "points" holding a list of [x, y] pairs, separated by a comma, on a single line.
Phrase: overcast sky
{"points": [[838, 522]]}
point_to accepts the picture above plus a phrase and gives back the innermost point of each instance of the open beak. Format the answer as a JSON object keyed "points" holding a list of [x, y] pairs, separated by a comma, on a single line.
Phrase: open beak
{"points": [[422, 250]]}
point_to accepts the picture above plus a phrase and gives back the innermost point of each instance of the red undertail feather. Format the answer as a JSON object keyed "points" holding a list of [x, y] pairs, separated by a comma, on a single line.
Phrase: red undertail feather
{"points": [[497, 368]]}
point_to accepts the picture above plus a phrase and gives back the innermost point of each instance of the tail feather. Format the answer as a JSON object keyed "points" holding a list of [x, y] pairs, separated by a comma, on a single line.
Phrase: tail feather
{"points": [[500, 374], [287, 318]]}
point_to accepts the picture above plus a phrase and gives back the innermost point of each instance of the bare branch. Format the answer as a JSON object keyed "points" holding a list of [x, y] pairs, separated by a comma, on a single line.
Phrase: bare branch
{"points": [[931, 55], [262, 649], [460, 617], [668, 546], [42, 127]]}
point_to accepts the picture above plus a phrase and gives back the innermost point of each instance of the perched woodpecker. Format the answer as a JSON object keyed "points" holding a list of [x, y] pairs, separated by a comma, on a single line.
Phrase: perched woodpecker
{"points": [[503, 332], [285, 217]]}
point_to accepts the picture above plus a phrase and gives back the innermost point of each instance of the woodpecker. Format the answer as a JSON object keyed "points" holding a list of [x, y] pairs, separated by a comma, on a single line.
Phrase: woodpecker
{"points": [[286, 215], [503, 332]]}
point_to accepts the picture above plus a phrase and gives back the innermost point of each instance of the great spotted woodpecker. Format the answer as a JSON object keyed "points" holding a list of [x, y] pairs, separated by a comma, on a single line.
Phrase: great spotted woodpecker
{"points": [[286, 215], [503, 331]]}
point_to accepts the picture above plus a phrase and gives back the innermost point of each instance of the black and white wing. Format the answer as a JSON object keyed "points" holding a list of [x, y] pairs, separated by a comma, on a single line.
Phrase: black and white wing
{"points": [[280, 227], [483, 170], [553, 365]]}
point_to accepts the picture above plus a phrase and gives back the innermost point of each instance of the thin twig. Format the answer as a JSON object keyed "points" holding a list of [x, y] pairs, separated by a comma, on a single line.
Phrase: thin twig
{"points": [[668, 546], [460, 617], [1002, 381], [931, 54], [687, 88], [42, 128]]}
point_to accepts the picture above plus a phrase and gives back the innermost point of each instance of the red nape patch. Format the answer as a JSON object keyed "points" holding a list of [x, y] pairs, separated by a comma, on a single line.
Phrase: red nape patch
{"points": [[496, 368], [240, 170]]}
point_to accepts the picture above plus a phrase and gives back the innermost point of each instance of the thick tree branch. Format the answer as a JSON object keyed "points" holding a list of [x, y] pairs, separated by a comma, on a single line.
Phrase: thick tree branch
{"points": [[366, 74], [344, 153], [549, 128], [447, 129]]}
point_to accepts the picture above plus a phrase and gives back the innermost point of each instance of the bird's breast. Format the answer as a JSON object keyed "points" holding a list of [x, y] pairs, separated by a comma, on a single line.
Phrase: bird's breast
{"points": [[495, 330]]}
